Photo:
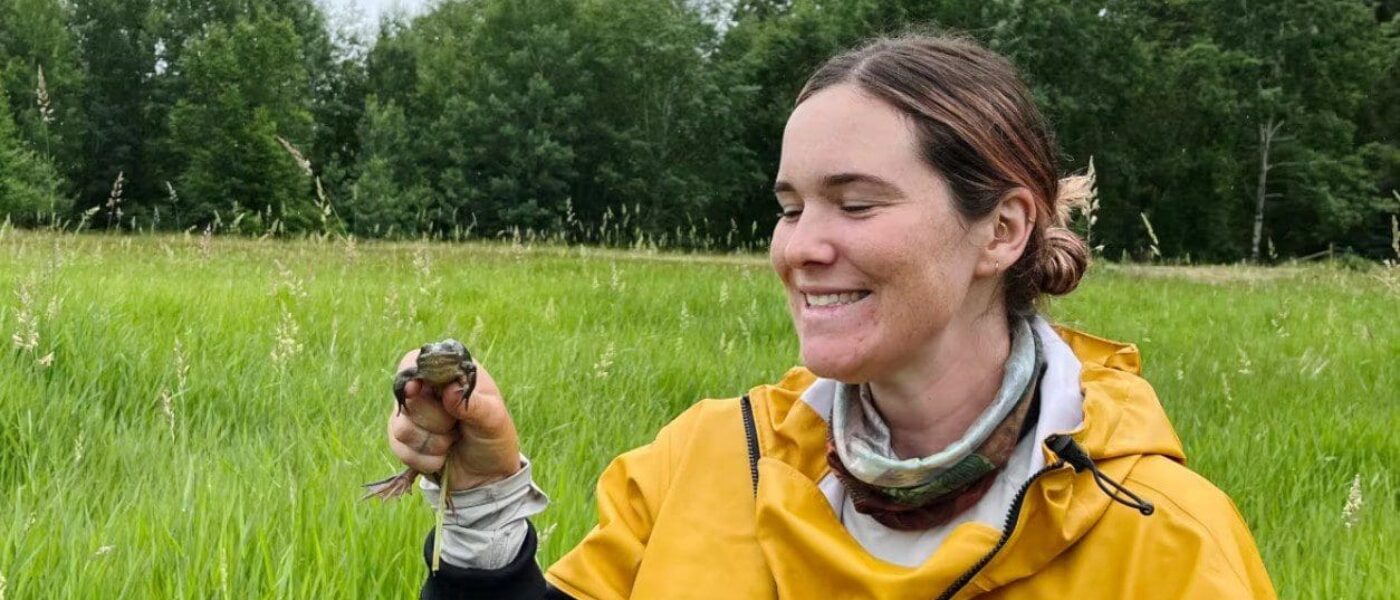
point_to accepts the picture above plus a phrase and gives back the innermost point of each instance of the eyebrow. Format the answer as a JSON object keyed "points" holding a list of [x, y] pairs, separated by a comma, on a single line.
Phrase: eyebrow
{"points": [[837, 180]]}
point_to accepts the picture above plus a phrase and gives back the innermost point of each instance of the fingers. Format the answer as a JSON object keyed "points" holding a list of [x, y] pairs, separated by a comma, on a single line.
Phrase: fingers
{"points": [[420, 440], [452, 401], [425, 411], [419, 448], [422, 463]]}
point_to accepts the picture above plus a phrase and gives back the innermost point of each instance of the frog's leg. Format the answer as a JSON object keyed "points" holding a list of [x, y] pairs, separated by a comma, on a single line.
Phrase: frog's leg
{"points": [[400, 383], [393, 487], [468, 382]]}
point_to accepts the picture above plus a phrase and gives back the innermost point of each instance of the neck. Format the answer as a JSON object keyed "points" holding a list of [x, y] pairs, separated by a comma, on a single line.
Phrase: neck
{"points": [[933, 401]]}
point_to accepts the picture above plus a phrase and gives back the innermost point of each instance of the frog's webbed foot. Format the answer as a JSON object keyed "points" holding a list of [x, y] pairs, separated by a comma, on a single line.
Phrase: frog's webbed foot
{"points": [[393, 487], [401, 380]]}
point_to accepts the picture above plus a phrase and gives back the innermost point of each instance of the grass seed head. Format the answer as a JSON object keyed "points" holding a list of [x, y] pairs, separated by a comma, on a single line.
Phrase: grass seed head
{"points": [[605, 362], [26, 335], [301, 160], [615, 281], [1351, 513], [167, 406], [182, 368], [114, 201], [1156, 247], [41, 97], [352, 251], [79, 447], [287, 345], [551, 311]]}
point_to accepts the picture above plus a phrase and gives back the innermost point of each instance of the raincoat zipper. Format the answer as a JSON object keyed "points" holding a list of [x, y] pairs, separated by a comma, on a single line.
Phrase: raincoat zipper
{"points": [[1064, 448], [751, 433], [1069, 453], [1012, 516]]}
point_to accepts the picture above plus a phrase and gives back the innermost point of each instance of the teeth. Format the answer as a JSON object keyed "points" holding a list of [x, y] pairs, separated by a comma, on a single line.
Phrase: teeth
{"points": [[834, 299]]}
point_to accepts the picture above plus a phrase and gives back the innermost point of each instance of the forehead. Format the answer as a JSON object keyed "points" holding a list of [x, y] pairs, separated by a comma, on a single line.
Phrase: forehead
{"points": [[844, 129]]}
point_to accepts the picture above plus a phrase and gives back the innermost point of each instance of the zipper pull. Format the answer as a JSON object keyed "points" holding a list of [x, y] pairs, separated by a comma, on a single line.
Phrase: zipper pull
{"points": [[1065, 447]]}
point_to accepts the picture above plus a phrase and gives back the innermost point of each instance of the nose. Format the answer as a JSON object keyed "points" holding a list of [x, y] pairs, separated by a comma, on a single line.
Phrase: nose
{"points": [[808, 241]]}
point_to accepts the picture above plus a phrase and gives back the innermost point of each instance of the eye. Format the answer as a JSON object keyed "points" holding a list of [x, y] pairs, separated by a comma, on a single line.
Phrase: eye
{"points": [[855, 209], [790, 214]]}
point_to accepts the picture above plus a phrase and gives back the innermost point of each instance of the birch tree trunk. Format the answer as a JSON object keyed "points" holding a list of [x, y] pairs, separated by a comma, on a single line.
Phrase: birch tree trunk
{"points": [[1267, 132]]}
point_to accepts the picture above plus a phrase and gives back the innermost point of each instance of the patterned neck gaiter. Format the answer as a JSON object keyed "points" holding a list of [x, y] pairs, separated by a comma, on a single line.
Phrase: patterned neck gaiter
{"points": [[919, 493]]}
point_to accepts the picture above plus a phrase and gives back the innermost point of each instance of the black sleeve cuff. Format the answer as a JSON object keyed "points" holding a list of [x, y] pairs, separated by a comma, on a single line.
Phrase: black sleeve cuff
{"points": [[521, 579]]}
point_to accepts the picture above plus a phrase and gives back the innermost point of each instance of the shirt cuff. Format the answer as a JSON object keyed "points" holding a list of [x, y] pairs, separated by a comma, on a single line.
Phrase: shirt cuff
{"points": [[487, 526]]}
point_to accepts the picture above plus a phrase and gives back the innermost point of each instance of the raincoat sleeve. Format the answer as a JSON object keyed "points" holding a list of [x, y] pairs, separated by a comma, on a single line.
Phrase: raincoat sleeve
{"points": [[604, 565]]}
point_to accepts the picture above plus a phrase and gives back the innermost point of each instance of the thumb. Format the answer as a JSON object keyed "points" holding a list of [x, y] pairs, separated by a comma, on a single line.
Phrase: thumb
{"points": [[482, 408]]}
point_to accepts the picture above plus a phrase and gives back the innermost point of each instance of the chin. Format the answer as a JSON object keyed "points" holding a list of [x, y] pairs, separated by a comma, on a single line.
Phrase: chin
{"points": [[844, 366]]}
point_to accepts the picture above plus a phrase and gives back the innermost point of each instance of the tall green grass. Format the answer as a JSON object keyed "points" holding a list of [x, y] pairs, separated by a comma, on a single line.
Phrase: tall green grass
{"points": [[231, 466]]}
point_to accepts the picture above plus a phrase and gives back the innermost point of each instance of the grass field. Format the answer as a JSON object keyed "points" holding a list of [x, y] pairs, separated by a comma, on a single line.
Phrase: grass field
{"points": [[192, 418]]}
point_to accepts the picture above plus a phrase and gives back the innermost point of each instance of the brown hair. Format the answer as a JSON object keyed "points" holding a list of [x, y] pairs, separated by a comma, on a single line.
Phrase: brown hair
{"points": [[978, 127]]}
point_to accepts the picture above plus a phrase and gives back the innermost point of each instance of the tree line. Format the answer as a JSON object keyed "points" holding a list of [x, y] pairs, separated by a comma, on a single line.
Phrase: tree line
{"points": [[1219, 129]]}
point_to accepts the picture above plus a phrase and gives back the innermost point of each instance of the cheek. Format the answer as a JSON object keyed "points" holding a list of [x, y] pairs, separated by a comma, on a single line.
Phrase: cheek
{"points": [[775, 251], [928, 270]]}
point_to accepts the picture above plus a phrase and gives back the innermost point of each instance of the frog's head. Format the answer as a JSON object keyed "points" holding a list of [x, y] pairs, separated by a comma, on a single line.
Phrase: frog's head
{"points": [[441, 362], [447, 348]]}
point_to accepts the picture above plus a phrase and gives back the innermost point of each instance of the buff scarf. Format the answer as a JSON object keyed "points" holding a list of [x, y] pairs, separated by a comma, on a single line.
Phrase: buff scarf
{"points": [[919, 493]]}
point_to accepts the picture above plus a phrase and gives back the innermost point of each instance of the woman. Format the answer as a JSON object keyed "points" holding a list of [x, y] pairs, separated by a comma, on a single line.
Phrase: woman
{"points": [[942, 441]]}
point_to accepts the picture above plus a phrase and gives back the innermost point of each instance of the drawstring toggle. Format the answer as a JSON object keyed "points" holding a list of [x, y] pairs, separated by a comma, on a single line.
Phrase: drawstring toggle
{"points": [[1065, 447]]}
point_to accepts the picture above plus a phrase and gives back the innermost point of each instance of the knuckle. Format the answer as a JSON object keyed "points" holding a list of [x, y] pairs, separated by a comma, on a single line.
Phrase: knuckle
{"points": [[404, 430]]}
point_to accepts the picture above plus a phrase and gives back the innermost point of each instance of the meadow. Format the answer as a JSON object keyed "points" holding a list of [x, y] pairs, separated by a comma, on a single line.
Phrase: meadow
{"points": [[192, 416]]}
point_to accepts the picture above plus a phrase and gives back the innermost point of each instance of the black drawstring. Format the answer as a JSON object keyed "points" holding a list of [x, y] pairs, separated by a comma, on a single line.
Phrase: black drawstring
{"points": [[1069, 451]]}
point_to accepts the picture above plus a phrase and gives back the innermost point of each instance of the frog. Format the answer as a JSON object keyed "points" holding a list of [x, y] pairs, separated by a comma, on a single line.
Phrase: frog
{"points": [[438, 364]]}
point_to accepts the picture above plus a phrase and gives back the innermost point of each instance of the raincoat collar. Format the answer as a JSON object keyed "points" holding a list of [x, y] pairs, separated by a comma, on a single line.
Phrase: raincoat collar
{"points": [[1122, 421]]}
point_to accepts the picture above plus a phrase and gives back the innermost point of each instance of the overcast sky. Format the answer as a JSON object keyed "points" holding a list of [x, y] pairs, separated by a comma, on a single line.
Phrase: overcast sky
{"points": [[367, 11]]}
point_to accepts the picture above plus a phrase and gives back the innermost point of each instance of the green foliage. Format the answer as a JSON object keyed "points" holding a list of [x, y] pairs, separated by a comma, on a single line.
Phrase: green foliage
{"points": [[117, 47], [378, 204], [554, 115], [660, 121], [30, 186], [246, 88], [35, 37]]}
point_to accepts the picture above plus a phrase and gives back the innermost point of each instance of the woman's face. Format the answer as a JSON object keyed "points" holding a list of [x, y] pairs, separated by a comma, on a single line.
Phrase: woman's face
{"points": [[875, 259]]}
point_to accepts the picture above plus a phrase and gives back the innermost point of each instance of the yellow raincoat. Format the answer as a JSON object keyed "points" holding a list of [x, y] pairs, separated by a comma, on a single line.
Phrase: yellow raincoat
{"points": [[679, 518]]}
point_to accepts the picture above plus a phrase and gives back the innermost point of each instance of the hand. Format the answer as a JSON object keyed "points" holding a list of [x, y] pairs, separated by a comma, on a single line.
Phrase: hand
{"points": [[478, 434]]}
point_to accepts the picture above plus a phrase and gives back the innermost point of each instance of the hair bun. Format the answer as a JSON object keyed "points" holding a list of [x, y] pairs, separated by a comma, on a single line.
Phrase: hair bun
{"points": [[1063, 262]]}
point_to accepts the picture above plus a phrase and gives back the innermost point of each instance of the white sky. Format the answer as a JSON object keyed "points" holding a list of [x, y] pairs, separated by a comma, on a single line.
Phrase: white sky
{"points": [[366, 12]]}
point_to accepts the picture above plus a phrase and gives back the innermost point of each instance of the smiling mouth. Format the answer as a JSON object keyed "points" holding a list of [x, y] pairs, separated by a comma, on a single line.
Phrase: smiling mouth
{"points": [[841, 299]]}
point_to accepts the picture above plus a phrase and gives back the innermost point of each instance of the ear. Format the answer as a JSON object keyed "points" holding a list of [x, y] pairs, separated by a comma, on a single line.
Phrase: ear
{"points": [[1009, 229]]}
